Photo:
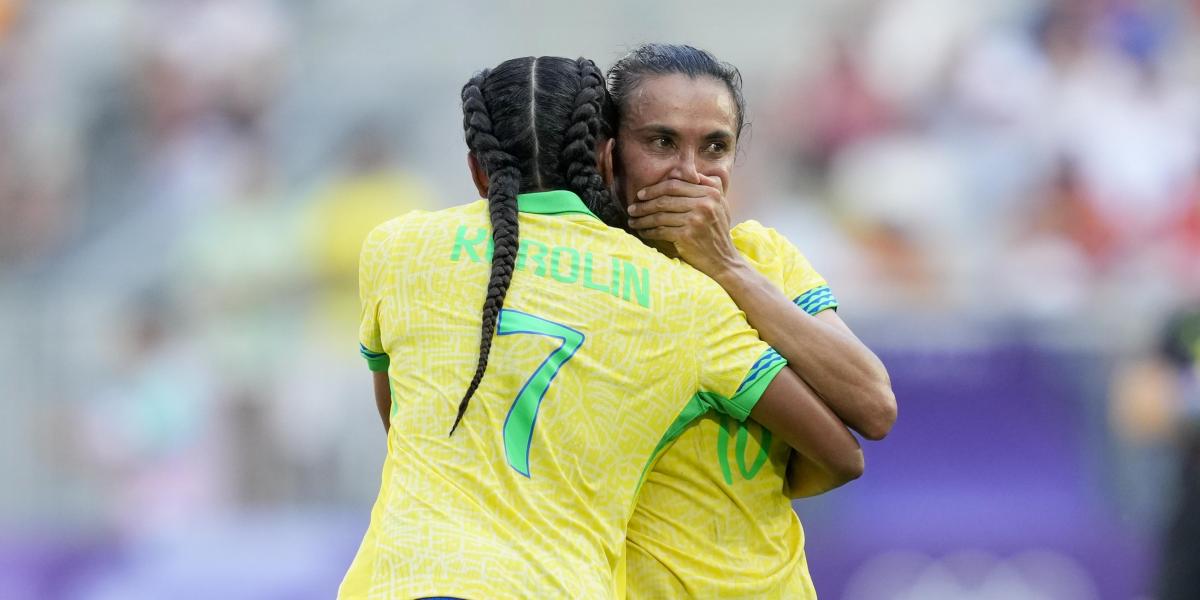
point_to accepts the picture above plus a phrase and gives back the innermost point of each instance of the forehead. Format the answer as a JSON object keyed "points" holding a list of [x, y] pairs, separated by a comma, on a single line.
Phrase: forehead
{"points": [[681, 102]]}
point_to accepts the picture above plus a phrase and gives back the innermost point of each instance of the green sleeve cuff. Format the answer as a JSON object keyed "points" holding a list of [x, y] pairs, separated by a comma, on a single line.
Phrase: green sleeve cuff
{"points": [[376, 361], [761, 374], [816, 300], [745, 399]]}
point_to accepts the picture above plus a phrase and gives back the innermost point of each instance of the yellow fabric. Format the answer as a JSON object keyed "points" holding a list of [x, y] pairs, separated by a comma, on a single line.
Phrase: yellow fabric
{"points": [[453, 516], [711, 528]]}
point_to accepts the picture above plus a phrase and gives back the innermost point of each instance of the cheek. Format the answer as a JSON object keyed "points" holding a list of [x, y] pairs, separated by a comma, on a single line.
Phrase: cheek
{"points": [[642, 170], [722, 170], [645, 173]]}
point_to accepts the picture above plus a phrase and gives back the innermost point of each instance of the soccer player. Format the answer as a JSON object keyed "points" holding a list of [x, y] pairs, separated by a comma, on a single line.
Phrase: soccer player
{"points": [[714, 519], [515, 477]]}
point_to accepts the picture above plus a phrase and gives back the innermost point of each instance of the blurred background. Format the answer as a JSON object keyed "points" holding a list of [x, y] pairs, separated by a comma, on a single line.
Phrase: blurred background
{"points": [[1005, 195]]}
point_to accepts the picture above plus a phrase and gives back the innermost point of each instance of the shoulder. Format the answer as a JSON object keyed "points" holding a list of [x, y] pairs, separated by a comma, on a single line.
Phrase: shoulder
{"points": [[773, 255], [421, 220], [759, 242], [767, 250]]}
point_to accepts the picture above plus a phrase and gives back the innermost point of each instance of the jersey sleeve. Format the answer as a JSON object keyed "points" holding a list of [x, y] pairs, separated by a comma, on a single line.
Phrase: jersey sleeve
{"points": [[802, 283], [735, 365], [371, 268]]}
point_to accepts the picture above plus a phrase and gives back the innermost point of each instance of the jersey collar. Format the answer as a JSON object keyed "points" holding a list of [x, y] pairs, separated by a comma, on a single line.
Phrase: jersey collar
{"points": [[553, 202]]}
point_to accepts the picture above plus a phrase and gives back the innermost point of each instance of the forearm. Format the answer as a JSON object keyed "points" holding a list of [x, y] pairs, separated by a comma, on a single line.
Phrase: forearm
{"points": [[807, 478], [798, 417], [840, 368], [383, 398]]}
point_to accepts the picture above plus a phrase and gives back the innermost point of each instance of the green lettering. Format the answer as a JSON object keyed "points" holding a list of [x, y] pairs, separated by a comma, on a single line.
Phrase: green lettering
{"points": [[538, 256], [616, 278], [742, 436], [573, 275], [723, 450], [522, 250], [461, 243], [763, 451], [639, 287], [587, 275]]}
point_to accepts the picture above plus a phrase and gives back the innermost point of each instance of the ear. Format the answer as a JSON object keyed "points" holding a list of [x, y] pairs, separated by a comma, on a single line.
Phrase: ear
{"points": [[604, 160], [477, 175]]}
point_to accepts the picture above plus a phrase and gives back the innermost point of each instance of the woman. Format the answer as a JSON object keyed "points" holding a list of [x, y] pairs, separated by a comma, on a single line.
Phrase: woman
{"points": [[608, 349], [701, 528]]}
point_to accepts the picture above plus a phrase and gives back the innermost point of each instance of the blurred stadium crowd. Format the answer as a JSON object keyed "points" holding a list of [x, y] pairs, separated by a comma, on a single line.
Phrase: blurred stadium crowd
{"points": [[184, 185]]}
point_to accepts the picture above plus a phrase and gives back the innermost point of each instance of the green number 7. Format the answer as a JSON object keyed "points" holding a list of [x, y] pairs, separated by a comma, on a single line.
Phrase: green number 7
{"points": [[522, 416]]}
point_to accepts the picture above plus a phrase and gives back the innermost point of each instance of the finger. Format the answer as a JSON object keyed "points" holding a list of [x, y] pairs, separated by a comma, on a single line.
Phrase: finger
{"points": [[674, 187], [675, 204], [666, 234], [712, 182], [665, 219]]}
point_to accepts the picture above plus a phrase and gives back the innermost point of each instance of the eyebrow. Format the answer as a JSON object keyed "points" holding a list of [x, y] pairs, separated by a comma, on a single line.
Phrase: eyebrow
{"points": [[718, 134], [659, 129]]}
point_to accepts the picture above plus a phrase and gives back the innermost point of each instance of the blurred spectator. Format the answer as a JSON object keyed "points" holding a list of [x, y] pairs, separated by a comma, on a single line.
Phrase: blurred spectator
{"points": [[237, 276], [151, 431], [236, 273], [1157, 401], [833, 111], [209, 72], [368, 189]]}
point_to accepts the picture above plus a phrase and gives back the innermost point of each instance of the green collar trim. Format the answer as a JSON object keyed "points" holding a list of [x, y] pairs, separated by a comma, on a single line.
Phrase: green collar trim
{"points": [[553, 202]]}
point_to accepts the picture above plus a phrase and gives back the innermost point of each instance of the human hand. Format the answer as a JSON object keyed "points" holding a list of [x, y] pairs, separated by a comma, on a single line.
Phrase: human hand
{"points": [[694, 217]]}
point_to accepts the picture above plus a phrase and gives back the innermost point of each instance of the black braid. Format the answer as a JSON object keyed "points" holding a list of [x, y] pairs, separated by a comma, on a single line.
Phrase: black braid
{"points": [[504, 180], [534, 129], [579, 146]]}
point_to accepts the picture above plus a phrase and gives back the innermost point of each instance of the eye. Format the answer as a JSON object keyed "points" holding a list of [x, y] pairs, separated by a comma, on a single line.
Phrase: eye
{"points": [[716, 148], [661, 142]]}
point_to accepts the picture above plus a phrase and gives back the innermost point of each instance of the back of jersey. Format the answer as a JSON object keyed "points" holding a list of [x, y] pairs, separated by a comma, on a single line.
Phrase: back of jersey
{"points": [[604, 351]]}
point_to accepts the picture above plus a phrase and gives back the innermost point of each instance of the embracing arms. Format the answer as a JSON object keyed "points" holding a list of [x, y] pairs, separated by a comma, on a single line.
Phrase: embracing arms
{"points": [[837, 369], [820, 349], [826, 455]]}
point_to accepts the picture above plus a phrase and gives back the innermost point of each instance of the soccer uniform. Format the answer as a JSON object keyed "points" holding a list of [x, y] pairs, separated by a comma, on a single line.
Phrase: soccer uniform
{"points": [[714, 519], [605, 351]]}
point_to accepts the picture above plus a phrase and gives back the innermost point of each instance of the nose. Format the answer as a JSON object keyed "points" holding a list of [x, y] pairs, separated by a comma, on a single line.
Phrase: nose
{"points": [[684, 167]]}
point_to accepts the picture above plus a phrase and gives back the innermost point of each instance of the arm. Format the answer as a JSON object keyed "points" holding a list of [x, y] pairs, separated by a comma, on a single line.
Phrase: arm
{"points": [[826, 454], [806, 478], [383, 397], [821, 349]]}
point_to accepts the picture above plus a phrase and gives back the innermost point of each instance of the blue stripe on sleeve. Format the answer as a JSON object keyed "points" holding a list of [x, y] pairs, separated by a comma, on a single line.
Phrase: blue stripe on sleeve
{"points": [[816, 300], [764, 363], [376, 361]]}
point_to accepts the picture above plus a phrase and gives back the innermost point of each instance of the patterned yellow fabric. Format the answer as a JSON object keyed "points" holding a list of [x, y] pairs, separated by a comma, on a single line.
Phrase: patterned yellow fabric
{"points": [[714, 519], [622, 348]]}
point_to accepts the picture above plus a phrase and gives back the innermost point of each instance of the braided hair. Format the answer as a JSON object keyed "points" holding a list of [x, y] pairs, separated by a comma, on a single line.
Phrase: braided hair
{"points": [[533, 125]]}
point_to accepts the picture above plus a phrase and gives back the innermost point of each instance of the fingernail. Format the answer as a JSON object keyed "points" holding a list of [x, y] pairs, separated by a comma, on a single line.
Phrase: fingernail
{"points": [[641, 194]]}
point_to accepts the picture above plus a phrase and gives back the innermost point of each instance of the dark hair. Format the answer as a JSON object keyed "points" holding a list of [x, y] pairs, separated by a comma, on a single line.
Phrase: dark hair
{"points": [[532, 123], [667, 59]]}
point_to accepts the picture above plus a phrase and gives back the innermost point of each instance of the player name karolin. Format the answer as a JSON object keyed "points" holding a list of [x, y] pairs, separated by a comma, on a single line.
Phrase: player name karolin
{"points": [[564, 264]]}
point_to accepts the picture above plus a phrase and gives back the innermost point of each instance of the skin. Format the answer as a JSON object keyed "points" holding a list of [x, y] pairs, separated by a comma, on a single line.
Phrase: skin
{"points": [[383, 397], [676, 147], [788, 406]]}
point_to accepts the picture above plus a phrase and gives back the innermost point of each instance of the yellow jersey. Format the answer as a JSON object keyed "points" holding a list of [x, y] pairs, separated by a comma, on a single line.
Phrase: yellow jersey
{"points": [[605, 351], [714, 519]]}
